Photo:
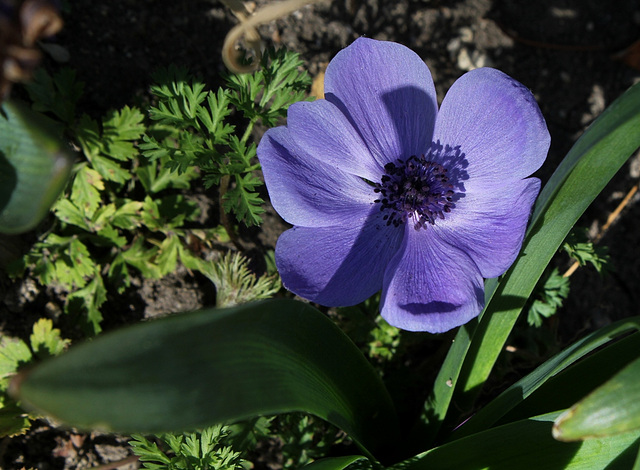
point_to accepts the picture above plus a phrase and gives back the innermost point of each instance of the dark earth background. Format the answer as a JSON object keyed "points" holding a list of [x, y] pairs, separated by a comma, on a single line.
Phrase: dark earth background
{"points": [[576, 56]]}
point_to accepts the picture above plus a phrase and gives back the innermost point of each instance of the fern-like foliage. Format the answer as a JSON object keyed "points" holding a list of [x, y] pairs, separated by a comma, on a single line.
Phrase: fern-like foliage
{"points": [[266, 94], [100, 232], [578, 246], [192, 128], [234, 281], [205, 450], [548, 297]]}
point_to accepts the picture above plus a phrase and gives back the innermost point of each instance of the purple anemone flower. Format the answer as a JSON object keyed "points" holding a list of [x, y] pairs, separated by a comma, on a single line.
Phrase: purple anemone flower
{"points": [[385, 191]]}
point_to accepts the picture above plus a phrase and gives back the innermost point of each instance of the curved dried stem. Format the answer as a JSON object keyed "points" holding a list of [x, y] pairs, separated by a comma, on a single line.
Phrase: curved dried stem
{"points": [[247, 28]]}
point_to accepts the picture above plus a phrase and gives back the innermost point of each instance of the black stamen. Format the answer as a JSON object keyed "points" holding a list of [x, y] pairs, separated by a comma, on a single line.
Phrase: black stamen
{"points": [[416, 188]]}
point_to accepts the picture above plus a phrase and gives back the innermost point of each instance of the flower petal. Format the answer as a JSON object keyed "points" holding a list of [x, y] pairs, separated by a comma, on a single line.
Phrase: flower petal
{"points": [[489, 226], [325, 133], [430, 285], [305, 191], [497, 124], [387, 92], [339, 265]]}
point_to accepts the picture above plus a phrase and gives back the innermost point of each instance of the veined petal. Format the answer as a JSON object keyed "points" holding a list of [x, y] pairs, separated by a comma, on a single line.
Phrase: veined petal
{"points": [[305, 191], [325, 133], [489, 225], [339, 265], [387, 93], [430, 285], [497, 124]]}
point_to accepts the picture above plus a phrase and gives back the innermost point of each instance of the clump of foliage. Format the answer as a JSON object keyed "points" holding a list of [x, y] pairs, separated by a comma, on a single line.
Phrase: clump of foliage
{"points": [[378, 340], [124, 210], [553, 287], [45, 341], [552, 294], [234, 281], [192, 128], [208, 449], [578, 246]]}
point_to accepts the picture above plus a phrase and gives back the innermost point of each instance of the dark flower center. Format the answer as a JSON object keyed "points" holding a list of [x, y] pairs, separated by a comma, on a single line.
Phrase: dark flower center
{"points": [[415, 189]]}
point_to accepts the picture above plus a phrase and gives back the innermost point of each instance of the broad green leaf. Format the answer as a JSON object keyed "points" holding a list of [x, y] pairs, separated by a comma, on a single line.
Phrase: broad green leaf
{"points": [[584, 172], [34, 166], [611, 409], [528, 445], [192, 370]]}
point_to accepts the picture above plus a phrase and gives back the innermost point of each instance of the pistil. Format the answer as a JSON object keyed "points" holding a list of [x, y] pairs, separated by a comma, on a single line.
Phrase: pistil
{"points": [[417, 190]]}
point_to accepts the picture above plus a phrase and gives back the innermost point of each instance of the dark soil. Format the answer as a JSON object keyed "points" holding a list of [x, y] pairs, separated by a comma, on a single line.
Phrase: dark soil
{"points": [[568, 52]]}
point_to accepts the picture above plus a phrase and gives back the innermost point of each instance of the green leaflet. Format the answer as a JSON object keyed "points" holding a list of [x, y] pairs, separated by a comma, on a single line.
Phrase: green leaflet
{"points": [[584, 172], [215, 366], [34, 166]]}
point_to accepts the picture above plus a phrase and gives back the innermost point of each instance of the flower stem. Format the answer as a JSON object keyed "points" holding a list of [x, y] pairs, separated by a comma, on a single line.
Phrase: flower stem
{"points": [[224, 218]]}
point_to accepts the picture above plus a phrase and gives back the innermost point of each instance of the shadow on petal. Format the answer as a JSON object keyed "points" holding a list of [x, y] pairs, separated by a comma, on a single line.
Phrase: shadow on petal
{"points": [[412, 114], [431, 308], [361, 271], [339, 265]]}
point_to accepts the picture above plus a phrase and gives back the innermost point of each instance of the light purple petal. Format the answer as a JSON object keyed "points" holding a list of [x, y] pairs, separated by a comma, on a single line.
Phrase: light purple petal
{"points": [[340, 265], [326, 134], [305, 191], [497, 124], [387, 92], [430, 285], [489, 226]]}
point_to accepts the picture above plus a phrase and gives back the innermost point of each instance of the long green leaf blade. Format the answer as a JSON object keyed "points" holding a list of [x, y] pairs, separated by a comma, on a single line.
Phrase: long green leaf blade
{"points": [[528, 445], [34, 166], [339, 463], [585, 171], [216, 366], [611, 409], [528, 385]]}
